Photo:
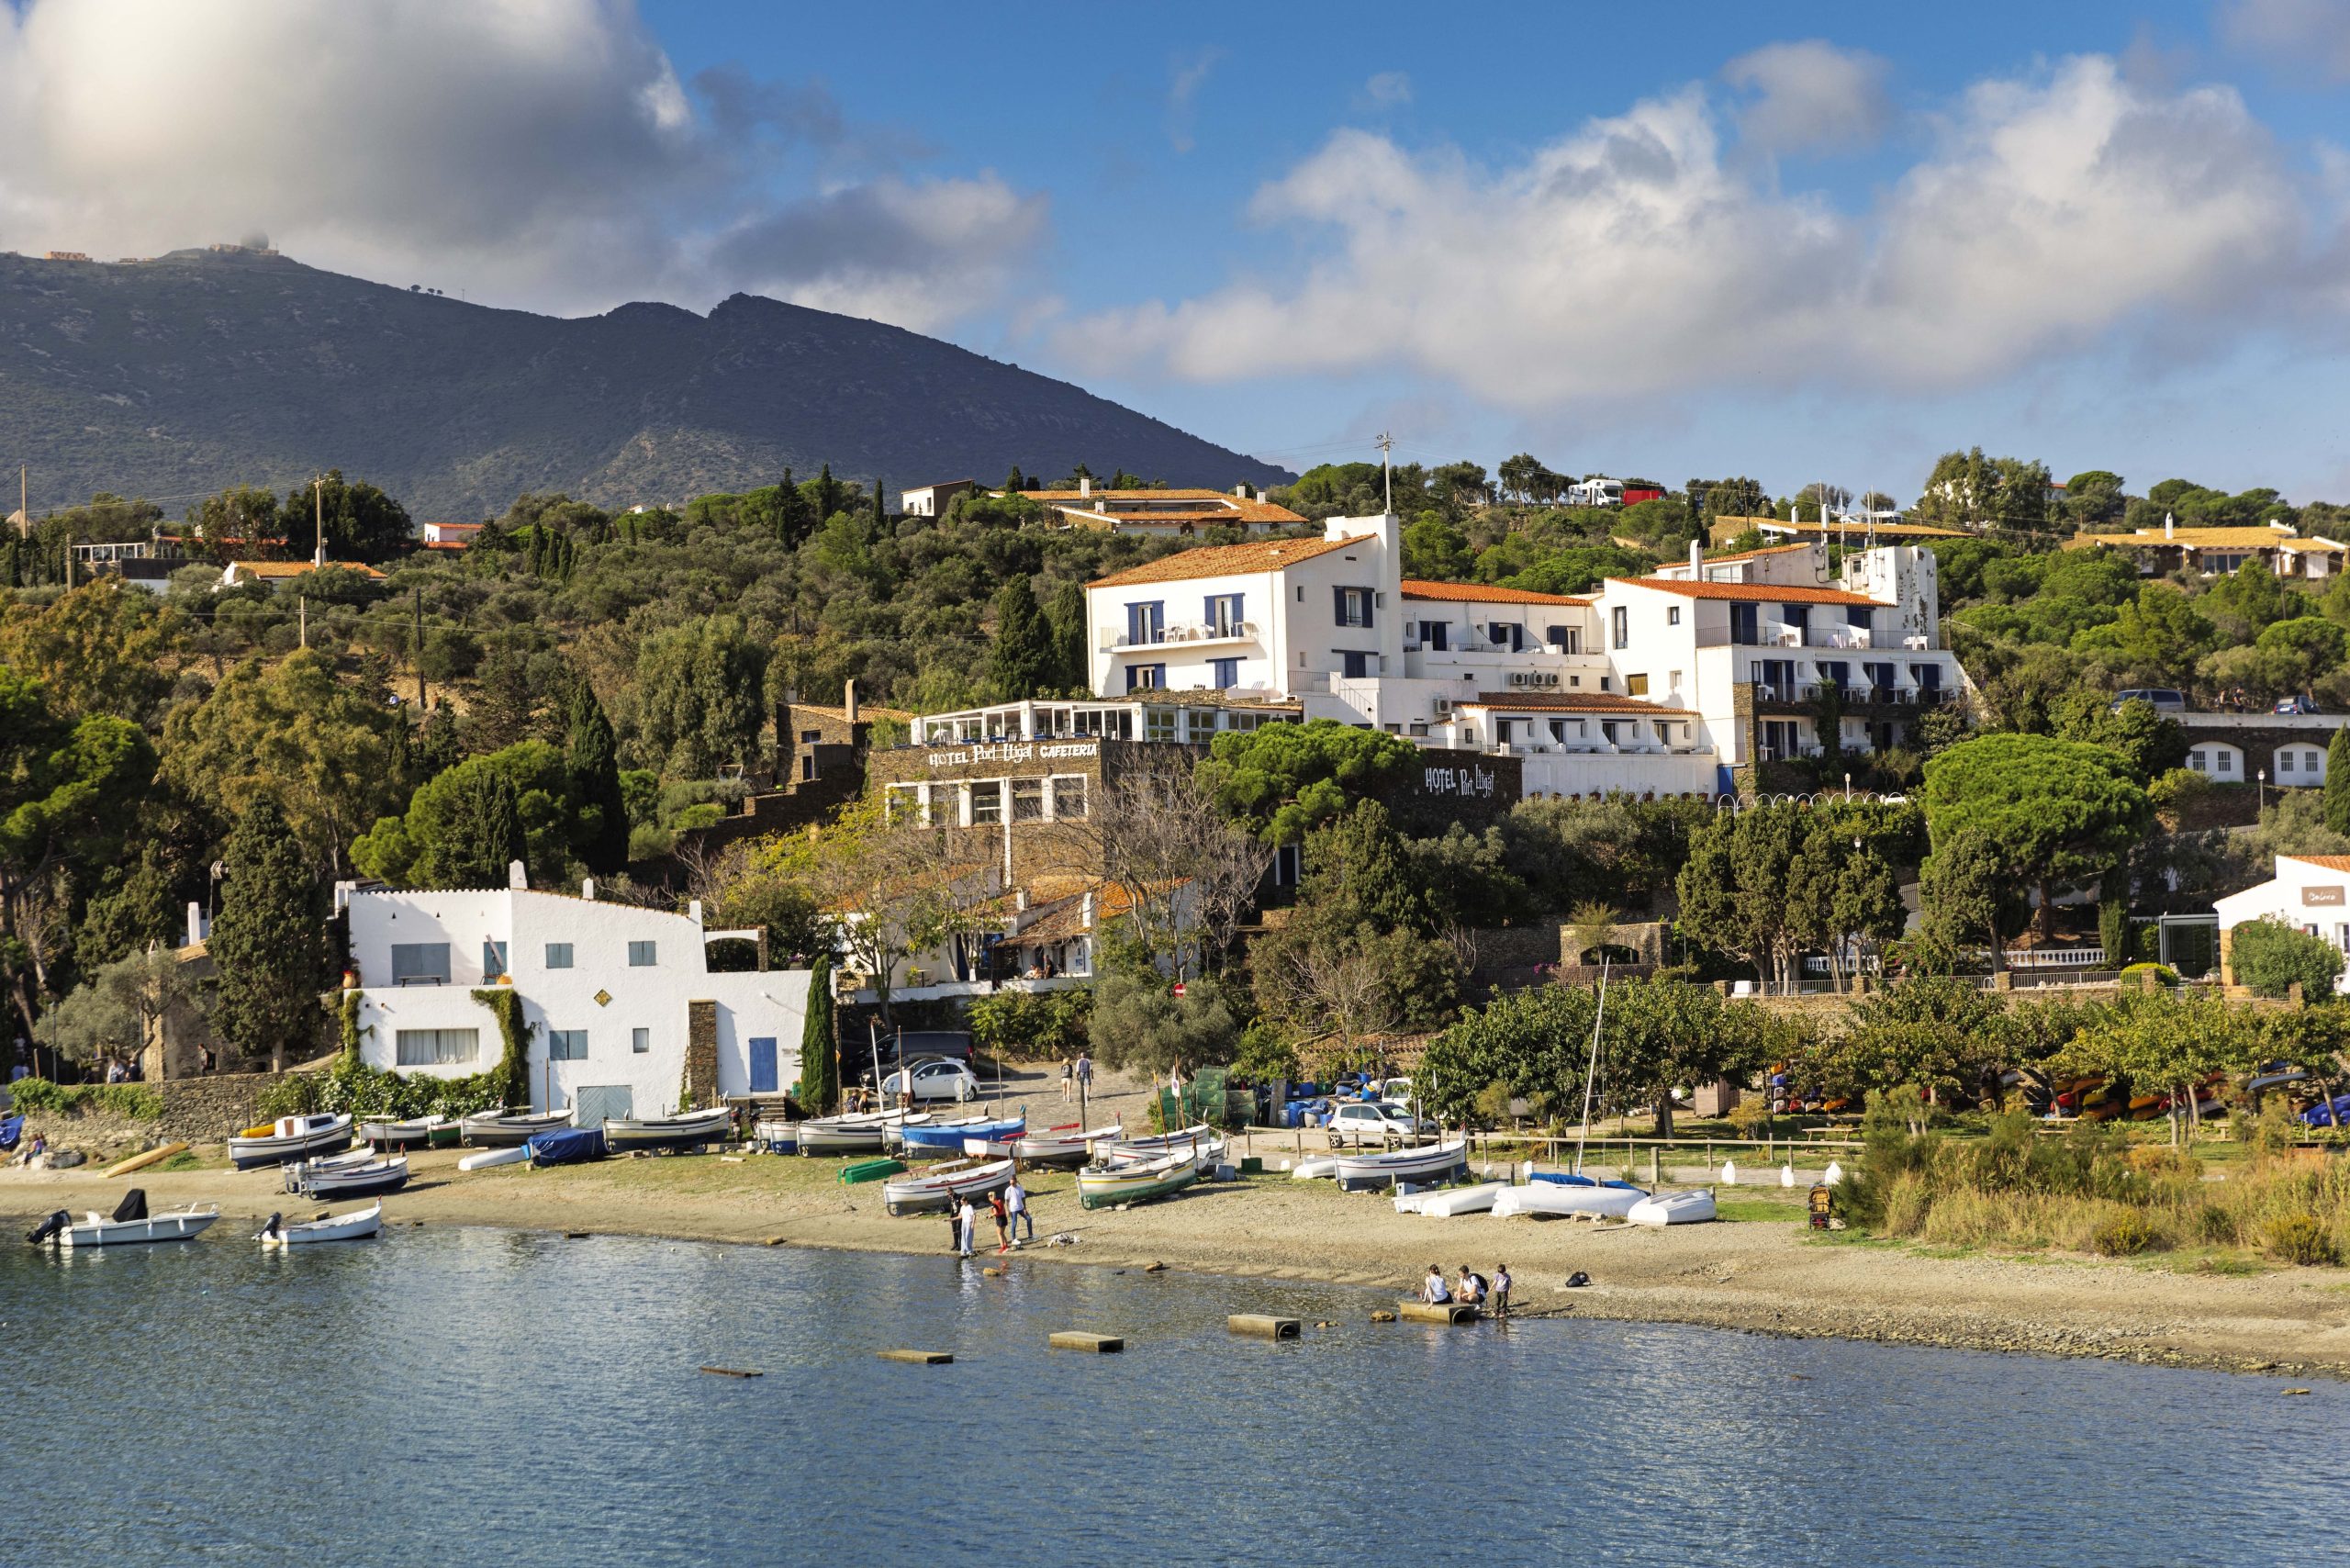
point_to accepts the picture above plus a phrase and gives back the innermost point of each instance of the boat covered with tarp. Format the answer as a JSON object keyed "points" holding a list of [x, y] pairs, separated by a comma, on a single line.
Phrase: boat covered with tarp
{"points": [[568, 1146]]}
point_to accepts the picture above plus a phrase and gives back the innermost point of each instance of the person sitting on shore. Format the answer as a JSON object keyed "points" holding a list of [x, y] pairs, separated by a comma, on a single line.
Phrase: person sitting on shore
{"points": [[1471, 1290], [1432, 1289]]}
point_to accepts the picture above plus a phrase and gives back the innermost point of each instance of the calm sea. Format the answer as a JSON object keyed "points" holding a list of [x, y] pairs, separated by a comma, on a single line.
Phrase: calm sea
{"points": [[447, 1397]]}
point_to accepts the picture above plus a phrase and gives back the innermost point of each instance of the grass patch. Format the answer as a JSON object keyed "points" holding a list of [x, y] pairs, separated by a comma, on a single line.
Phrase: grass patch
{"points": [[1764, 1209], [185, 1159]]}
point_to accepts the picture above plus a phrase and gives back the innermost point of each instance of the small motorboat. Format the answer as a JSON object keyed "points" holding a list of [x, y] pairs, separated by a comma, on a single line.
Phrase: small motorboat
{"points": [[1446, 1202], [423, 1132], [486, 1158], [1548, 1195], [568, 1146], [370, 1179], [509, 1129], [1673, 1208], [940, 1184], [948, 1137], [690, 1129], [1071, 1144], [354, 1226], [1108, 1186], [1316, 1167], [1361, 1172], [130, 1222], [776, 1137], [289, 1138]]}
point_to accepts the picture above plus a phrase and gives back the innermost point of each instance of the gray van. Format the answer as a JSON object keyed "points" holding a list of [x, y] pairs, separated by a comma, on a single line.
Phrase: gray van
{"points": [[2161, 699]]}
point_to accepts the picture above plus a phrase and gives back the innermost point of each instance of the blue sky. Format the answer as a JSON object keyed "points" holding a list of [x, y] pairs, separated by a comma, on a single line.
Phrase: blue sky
{"points": [[1797, 242]]}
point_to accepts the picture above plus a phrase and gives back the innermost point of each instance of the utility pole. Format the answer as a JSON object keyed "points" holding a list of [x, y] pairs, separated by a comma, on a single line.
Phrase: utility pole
{"points": [[1386, 445], [319, 487], [417, 651], [302, 616], [24, 502]]}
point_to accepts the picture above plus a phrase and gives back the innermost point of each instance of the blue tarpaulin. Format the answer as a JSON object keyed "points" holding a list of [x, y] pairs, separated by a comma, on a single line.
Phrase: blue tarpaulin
{"points": [[567, 1146]]}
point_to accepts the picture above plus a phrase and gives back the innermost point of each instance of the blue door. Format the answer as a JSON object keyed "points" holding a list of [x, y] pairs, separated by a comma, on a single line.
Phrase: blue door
{"points": [[763, 1064]]}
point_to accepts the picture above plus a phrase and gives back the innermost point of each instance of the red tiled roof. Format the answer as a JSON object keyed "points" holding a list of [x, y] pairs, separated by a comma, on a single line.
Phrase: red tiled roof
{"points": [[2331, 862], [1760, 593], [1575, 703], [1483, 593], [1766, 550], [1227, 560]]}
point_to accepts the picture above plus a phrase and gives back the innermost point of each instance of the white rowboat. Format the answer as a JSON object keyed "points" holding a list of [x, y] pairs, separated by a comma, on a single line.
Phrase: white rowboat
{"points": [[1446, 1202], [938, 1185], [505, 1129], [1673, 1208], [1357, 1171], [289, 1137], [1320, 1168], [690, 1130], [353, 1226], [1553, 1198], [490, 1157], [1064, 1144]]}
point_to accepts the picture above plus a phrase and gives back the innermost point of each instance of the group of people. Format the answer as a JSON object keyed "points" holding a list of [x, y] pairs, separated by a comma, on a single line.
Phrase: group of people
{"points": [[1008, 1207], [1075, 1075], [1471, 1289]]}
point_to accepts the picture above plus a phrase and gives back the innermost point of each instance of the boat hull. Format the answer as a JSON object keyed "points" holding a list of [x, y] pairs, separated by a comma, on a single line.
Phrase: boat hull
{"points": [[1673, 1208], [369, 1181], [1363, 1172], [489, 1158], [1444, 1202], [668, 1132], [401, 1136], [948, 1137], [816, 1138], [931, 1192], [1551, 1198], [1099, 1189], [356, 1227], [510, 1132], [248, 1152], [99, 1231]]}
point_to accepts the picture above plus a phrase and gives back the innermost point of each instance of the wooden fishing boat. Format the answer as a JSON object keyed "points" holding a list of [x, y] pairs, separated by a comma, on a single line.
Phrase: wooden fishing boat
{"points": [[938, 1185], [420, 1132], [627, 1135], [865, 1132], [776, 1137], [370, 1179], [509, 1129], [484, 1159], [1162, 1143], [948, 1137], [357, 1226], [294, 1170], [130, 1222], [1673, 1208], [1357, 1172], [288, 1139], [1070, 1145], [1106, 1186]]}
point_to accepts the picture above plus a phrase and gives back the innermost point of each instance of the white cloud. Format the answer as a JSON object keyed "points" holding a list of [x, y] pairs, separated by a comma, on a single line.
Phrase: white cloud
{"points": [[1387, 90], [1632, 258], [1809, 96], [537, 152], [1186, 76], [2303, 35]]}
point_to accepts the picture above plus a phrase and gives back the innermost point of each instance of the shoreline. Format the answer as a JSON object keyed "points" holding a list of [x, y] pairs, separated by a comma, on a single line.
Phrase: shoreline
{"points": [[1762, 1277]]}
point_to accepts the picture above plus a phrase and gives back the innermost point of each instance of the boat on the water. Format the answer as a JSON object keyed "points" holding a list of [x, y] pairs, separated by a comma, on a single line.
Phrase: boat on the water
{"points": [[509, 1129], [862, 1132], [1135, 1182], [130, 1222], [288, 1139], [483, 1159], [691, 1129], [1446, 1202], [1673, 1208], [948, 1137], [368, 1180], [353, 1226], [567, 1146], [420, 1132], [1552, 1194], [1070, 1145], [1359, 1172], [911, 1193]]}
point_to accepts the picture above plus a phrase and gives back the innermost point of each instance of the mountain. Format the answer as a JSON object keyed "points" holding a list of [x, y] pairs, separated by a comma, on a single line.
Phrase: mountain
{"points": [[176, 377]]}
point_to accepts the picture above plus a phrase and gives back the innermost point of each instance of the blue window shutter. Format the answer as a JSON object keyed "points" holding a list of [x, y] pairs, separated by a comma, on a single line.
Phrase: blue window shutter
{"points": [[1338, 606]]}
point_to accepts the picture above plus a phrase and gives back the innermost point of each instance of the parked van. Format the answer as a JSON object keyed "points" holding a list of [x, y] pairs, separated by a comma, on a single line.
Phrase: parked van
{"points": [[2161, 699]]}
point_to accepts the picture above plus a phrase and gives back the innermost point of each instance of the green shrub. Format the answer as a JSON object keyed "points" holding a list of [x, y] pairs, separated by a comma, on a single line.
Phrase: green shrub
{"points": [[1034, 1025], [2271, 957], [129, 1102], [295, 1094], [2125, 1235], [2300, 1238], [2158, 974]]}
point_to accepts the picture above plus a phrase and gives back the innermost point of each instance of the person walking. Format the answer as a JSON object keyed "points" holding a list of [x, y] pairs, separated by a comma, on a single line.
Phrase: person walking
{"points": [[1068, 1085], [1016, 1201], [966, 1216], [1500, 1291], [1084, 1071], [1002, 1213]]}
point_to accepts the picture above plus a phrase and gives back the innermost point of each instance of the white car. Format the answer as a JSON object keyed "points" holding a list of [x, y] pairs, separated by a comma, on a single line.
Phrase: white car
{"points": [[932, 1081], [1362, 1124]]}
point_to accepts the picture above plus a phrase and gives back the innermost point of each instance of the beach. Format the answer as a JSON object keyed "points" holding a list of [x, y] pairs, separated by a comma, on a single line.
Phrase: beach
{"points": [[1769, 1275]]}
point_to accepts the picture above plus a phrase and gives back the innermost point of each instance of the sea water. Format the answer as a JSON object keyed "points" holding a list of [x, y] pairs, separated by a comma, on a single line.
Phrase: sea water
{"points": [[456, 1397]]}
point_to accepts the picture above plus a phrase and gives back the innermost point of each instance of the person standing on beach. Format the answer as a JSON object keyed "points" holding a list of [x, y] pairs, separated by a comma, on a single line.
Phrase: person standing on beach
{"points": [[1501, 1290], [954, 1224], [1002, 1213], [1067, 1086], [1084, 1071], [968, 1216], [1015, 1202]]}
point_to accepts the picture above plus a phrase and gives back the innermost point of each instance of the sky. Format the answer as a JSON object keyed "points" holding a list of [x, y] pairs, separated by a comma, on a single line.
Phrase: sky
{"points": [[1820, 241]]}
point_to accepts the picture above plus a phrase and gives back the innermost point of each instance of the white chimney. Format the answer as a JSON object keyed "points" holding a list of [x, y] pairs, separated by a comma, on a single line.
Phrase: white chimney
{"points": [[587, 890], [1085, 484], [516, 877], [848, 702], [1696, 561], [2169, 525], [693, 912], [196, 932]]}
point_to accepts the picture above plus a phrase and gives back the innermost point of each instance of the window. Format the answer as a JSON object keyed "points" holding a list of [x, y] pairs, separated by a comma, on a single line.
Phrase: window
{"points": [[1858, 615], [809, 737], [1158, 724], [642, 954], [2224, 762], [1566, 639], [493, 962], [1068, 796], [1223, 614], [1354, 667], [986, 802], [2194, 761], [1636, 686], [907, 798], [567, 1045], [2284, 763], [1436, 635], [1146, 677], [1027, 799], [558, 955], [436, 1047], [1672, 681], [640, 1041], [1224, 674], [1146, 623], [1745, 625], [1622, 619], [1673, 615], [1353, 606], [420, 963]]}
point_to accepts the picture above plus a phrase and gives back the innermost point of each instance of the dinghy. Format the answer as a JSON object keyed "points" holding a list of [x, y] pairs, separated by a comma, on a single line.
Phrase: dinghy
{"points": [[1071, 1144], [776, 1137], [1673, 1208], [1316, 1167], [948, 1137], [370, 1179], [353, 1226], [865, 1132], [624, 1135], [485, 1159], [933, 1188], [568, 1146], [1446, 1202], [423, 1132], [287, 1138], [130, 1222], [1359, 1172], [1610, 1200], [510, 1129], [1100, 1187]]}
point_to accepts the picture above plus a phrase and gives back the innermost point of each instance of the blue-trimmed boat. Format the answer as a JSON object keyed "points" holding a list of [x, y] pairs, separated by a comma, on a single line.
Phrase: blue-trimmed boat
{"points": [[948, 1138]]}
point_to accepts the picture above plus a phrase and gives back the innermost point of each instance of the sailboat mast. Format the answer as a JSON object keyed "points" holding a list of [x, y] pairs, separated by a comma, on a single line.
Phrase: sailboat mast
{"points": [[1590, 1073]]}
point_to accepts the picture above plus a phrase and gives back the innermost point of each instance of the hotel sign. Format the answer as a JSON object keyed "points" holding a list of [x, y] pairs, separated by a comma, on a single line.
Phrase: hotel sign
{"points": [[1477, 783], [1016, 751], [2331, 897]]}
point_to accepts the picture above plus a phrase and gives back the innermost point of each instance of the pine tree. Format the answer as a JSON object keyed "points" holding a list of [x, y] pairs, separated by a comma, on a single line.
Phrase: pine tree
{"points": [[593, 757], [1023, 661], [1066, 616], [267, 941], [820, 1085], [2337, 782]]}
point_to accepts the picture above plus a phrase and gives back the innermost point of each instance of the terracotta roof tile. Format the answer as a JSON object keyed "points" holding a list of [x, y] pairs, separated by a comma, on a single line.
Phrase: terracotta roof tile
{"points": [[1228, 560], [1482, 593], [1830, 530], [269, 569], [2204, 539], [1759, 593], [2331, 862]]}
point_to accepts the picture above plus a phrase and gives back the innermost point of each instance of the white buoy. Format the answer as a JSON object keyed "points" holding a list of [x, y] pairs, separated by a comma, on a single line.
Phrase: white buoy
{"points": [[1835, 1174], [1730, 1174], [1787, 1175]]}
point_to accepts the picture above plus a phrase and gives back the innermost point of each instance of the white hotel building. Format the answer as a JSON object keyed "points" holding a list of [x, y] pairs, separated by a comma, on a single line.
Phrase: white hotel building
{"points": [[624, 1015], [1679, 682]]}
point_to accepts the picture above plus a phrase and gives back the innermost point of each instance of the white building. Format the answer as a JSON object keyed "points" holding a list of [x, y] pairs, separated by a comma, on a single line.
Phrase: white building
{"points": [[1163, 512], [2309, 892], [933, 501], [1669, 683], [625, 1016]]}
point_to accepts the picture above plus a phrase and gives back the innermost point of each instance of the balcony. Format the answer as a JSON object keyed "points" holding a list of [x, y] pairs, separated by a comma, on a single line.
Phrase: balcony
{"points": [[1807, 694], [1187, 634]]}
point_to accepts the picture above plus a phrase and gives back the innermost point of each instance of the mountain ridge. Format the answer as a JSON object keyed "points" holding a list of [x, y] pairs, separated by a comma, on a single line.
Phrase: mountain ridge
{"points": [[184, 374]]}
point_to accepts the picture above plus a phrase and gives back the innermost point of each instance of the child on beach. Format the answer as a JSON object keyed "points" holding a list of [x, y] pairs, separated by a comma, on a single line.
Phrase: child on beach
{"points": [[1501, 1290], [1471, 1290], [1002, 1216]]}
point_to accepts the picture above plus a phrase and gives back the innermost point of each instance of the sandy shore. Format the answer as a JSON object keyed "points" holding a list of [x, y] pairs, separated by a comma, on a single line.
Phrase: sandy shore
{"points": [[1763, 1275]]}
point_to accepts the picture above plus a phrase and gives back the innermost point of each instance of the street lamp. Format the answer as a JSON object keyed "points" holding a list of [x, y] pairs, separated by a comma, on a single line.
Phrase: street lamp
{"points": [[2261, 797]]}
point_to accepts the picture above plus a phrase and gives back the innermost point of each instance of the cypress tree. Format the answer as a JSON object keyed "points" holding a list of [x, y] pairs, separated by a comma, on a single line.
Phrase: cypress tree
{"points": [[2337, 782], [268, 941], [1065, 617], [593, 757], [438, 747], [820, 1082], [1023, 661], [880, 505]]}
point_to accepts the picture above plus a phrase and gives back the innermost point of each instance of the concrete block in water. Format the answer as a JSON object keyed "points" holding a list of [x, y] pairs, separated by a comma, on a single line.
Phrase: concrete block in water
{"points": [[1073, 1340], [1264, 1327]]}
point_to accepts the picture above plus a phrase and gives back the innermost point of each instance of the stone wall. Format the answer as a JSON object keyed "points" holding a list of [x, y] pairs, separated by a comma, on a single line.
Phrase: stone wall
{"points": [[702, 1053], [206, 1109]]}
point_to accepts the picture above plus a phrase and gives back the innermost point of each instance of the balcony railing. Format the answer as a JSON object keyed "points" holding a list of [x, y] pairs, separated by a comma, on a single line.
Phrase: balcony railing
{"points": [[1854, 695], [1212, 632]]}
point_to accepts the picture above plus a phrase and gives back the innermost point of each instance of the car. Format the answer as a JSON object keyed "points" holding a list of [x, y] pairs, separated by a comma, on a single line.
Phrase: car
{"points": [[1365, 1122], [933, 1079], [2161, 699], [2297, 705]]}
